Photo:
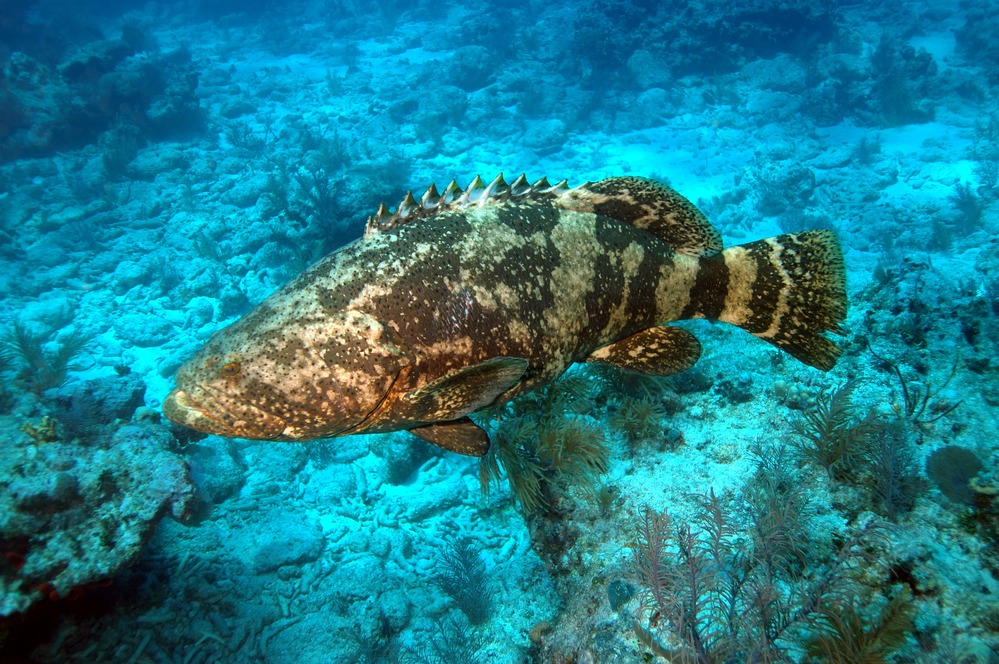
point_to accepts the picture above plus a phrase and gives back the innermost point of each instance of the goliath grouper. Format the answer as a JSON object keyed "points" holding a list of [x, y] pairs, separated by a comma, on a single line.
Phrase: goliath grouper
{"points": [[468, 298]]}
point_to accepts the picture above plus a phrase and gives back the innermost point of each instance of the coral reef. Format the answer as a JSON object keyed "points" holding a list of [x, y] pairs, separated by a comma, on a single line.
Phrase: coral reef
{"points": [[99, 84], [73, 516]]}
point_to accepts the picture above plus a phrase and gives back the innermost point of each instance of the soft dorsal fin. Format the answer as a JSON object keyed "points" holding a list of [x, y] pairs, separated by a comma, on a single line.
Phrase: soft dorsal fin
{"points": [[651, 206]]}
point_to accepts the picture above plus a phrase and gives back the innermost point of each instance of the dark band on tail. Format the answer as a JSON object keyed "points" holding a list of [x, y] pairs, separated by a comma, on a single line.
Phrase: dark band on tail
{"points": [[710, 290], [789, 290]]}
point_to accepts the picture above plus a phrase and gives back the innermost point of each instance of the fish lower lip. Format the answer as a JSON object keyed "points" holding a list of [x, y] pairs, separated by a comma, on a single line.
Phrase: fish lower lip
{"points": [[180, 399], [178, 408], [175, 405], [179, 403]]}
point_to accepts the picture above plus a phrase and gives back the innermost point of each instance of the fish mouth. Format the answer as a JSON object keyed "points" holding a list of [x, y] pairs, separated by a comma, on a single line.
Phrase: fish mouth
{"points": [[182, 408]]}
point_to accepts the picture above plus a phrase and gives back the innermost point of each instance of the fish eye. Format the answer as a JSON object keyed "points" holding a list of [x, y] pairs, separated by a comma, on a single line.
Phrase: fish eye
{"points": [[230, 369]]}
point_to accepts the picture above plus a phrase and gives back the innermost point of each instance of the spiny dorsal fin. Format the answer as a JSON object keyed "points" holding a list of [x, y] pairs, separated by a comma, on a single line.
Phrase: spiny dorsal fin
{"points": [[651, 206], [477, 193]]}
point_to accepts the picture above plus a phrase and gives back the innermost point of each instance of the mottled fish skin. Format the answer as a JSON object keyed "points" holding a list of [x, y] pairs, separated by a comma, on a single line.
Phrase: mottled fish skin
{"points": [[448, 306]]}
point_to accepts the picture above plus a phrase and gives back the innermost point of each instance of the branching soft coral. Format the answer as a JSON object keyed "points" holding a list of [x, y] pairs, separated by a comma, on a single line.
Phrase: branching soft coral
{"points": [[544, 449], [462, 577], [830, 434], [714, 595], [42, 368]]}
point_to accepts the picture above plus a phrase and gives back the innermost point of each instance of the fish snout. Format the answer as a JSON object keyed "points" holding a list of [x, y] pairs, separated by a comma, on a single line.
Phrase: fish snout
{"points": [[179, 408], [189, 410]]}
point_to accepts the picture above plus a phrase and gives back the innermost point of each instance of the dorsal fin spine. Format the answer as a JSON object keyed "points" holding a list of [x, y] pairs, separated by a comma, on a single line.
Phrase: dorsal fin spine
{"points": [[473, 193], [451, 193], [559, 187], [495, 188], [406, 206], [520, 186], [430, 198]]}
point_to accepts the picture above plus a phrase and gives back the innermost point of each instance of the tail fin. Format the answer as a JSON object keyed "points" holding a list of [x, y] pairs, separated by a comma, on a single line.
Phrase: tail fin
{"points": [[788, 290]]}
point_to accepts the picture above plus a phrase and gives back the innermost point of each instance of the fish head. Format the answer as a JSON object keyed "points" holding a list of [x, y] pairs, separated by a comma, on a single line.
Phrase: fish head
{"points": [[270, 378]]}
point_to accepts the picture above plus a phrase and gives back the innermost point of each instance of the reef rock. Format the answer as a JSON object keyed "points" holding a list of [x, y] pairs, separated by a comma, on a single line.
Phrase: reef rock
{"points": [[72, 515]]}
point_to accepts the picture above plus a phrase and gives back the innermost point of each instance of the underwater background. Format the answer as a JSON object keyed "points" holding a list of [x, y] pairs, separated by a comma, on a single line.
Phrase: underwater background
{"points": [[165, 166]]}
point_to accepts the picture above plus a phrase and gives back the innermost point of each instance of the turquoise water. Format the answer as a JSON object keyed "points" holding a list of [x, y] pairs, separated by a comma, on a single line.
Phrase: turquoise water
{"points": [[166, 167]]}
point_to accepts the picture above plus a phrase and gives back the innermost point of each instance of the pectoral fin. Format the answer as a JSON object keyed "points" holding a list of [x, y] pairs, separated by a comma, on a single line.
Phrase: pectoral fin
{"points": [[657, 351], [462, 436], [466, 390]]}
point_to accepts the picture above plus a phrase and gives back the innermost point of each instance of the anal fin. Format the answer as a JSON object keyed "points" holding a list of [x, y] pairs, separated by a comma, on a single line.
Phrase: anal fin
{"points": [[657, 351], [461, 436]]}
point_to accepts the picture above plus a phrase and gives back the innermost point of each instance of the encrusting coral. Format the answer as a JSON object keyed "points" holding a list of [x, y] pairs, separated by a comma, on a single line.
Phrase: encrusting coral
{"points": [[73, 515]]}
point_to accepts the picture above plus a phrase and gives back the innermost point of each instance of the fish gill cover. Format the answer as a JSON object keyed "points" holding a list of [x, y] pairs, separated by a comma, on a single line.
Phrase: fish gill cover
{"points": [[164, 169]]}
